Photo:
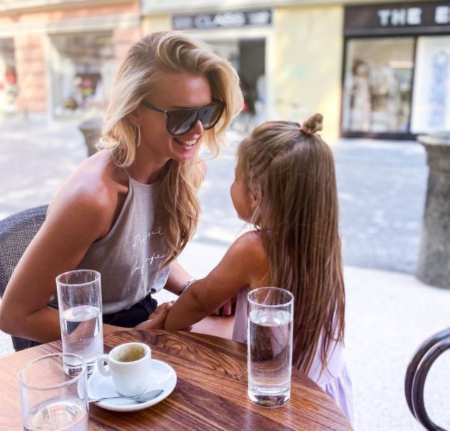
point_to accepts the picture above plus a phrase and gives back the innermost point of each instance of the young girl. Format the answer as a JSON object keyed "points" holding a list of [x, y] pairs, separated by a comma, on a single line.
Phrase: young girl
{"points": [[285, 185]]}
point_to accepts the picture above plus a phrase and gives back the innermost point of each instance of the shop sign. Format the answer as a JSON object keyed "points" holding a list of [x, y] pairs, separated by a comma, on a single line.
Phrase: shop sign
{"points": [[229, 19], [402, 18]]}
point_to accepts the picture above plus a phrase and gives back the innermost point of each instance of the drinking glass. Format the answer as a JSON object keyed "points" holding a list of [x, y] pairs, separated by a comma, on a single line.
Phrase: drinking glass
{"points": [[80, 315], [269, 344], [50, 398]]}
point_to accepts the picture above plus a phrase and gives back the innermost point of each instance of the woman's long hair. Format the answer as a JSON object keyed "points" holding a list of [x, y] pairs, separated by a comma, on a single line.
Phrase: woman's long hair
{"points": [[290, 170], [146, 61]]}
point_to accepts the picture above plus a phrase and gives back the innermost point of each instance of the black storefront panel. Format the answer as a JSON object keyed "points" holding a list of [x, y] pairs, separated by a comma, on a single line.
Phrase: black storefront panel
{"points": [[397, 69]]}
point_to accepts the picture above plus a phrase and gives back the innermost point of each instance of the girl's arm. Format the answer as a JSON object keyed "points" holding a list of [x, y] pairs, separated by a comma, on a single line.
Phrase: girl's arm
{"points": [[242, 264]]}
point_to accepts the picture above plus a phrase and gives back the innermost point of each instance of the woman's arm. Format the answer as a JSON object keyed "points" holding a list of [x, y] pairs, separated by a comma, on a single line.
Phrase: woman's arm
{"points": [[178, 277], [74, 221], [240, 266]]}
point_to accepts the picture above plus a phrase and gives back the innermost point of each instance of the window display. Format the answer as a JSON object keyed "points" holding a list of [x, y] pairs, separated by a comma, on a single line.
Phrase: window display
{"points": [[431, 107], [82, 70], [377, 85]]}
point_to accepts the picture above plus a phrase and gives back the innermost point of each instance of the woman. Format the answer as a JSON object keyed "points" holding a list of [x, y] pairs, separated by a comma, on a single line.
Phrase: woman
{"points": [[129, 210]]}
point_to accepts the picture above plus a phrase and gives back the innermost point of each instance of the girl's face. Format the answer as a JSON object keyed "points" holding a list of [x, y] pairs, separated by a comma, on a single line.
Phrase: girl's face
{"points": [[174, 90], [243, 201]]}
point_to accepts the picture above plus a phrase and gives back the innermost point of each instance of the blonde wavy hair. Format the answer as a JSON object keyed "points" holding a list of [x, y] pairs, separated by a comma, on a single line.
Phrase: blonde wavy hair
{"points": [[290, 171], [178, 209]]}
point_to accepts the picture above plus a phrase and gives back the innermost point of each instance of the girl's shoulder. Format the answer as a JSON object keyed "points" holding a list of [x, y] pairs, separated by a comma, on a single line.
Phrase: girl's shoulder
{"points": [[251, 247], [251, 240]]}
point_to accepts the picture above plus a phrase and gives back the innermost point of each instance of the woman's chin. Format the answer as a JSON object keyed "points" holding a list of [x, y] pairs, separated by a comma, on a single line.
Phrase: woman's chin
{"points": [[184, 153]]}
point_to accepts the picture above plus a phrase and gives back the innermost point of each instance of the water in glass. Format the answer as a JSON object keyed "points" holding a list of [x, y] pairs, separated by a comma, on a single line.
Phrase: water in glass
{"points": [[270, 356], [60, 415], [81, 333]]}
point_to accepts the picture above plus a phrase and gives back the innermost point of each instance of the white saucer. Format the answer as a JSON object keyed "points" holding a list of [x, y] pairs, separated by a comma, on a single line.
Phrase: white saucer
{"points": [[163, 377]]}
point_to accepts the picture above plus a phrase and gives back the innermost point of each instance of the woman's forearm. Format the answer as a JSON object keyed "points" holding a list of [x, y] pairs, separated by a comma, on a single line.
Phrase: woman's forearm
{"points": [[41, 326], [178, 277]]}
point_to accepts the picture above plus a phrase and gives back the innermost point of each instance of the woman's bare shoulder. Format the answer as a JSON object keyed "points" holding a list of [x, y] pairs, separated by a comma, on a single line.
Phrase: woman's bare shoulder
{"points": [[94, 190]]}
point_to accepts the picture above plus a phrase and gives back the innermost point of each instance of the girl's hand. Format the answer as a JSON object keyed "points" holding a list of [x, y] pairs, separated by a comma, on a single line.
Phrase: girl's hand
{"points": [[156, 319], [226, 309]]}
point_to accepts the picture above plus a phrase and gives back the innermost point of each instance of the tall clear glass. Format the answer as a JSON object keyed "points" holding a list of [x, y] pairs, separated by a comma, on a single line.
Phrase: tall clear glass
{"points": [[50, 398], [269, 343], [80, 315]]}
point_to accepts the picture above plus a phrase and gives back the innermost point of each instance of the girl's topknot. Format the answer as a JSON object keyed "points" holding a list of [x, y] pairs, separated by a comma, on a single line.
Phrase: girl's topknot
{"points": [[312, 125]]}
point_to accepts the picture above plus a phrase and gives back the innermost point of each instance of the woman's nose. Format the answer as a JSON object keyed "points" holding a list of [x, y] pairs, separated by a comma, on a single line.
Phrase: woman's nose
{"points": [[198, 129]]}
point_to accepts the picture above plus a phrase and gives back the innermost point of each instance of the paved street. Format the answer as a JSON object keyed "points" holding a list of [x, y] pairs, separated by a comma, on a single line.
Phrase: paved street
{"points": [[381, 192], [381, 189]]}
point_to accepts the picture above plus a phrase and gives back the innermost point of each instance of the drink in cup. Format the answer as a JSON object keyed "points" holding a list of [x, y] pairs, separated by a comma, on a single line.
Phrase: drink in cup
{"points": [[51, 400], [80, 314], [130, 366], [269, 339]]}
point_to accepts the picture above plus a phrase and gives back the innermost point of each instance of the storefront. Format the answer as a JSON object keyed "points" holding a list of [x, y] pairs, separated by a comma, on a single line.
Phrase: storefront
{"points": [[396, 72], [58, 58], [274, 45]]}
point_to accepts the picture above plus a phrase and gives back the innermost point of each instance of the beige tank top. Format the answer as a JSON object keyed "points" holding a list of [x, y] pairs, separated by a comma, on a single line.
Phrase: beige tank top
{"points": [[130, 255]]}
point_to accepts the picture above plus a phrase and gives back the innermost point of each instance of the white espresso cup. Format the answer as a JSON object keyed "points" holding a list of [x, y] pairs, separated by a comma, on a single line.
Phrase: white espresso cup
{"points": [[129, 365]]}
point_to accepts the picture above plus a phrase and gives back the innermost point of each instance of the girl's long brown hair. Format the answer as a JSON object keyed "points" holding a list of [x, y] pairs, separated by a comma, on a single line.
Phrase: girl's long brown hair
{"points": [[290, 170]]}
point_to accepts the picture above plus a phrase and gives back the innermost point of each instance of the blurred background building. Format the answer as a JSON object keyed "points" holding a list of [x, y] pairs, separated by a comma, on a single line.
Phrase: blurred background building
{"points": [[373, 68], [59, 57]]}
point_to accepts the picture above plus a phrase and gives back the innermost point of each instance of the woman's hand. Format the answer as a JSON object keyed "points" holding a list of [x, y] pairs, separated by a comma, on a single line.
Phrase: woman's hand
{"points": [[157, 318]]}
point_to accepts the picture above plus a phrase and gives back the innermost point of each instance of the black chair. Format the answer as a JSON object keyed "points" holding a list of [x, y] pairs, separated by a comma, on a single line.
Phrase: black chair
{"points": [[16, 232], [416, 375]]}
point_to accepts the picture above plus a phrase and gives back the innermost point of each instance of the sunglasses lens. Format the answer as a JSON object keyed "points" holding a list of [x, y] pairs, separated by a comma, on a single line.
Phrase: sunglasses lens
{"points": [[181, 121], [209, 115]]}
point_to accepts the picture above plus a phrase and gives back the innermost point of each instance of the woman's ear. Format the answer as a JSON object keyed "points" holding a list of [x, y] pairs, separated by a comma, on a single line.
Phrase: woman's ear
{"points": [[135, 118]]}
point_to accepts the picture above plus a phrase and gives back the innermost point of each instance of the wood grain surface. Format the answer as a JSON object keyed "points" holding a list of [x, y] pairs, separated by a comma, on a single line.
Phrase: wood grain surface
{"points": [[211, 392]]}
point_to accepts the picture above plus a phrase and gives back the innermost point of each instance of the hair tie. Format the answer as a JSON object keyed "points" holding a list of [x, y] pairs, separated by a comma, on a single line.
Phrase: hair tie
{"points": [[306, 130]]}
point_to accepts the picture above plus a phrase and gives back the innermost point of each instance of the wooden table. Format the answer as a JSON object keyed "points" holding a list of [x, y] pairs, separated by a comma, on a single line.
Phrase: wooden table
{"points": [[211, 392]]}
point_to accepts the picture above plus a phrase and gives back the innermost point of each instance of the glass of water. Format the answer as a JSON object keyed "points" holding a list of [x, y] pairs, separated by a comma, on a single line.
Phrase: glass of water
{"points": [[269, 343], [50, 398], [80, 315]]}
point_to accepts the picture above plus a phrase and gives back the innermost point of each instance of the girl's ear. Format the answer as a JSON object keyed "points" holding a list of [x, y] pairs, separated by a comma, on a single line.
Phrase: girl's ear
{"points": [[255, 199]]}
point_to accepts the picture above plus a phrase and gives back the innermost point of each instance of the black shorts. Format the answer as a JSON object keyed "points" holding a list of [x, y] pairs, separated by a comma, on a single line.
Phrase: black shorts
{"points": [[134, 315]]}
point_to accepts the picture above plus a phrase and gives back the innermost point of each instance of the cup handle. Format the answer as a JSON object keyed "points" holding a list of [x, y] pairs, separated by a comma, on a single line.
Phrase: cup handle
{"points": [[428, 353], [104, 370]]}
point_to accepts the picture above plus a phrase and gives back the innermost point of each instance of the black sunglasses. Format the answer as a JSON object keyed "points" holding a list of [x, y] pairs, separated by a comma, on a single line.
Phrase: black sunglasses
{"points": [[180, 121]]}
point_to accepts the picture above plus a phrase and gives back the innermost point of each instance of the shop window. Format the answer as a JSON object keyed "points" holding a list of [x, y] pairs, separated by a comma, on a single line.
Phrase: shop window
{"points": [[248, 58], [82, 67], [8, 77], [431, 102], [378, 85]]}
